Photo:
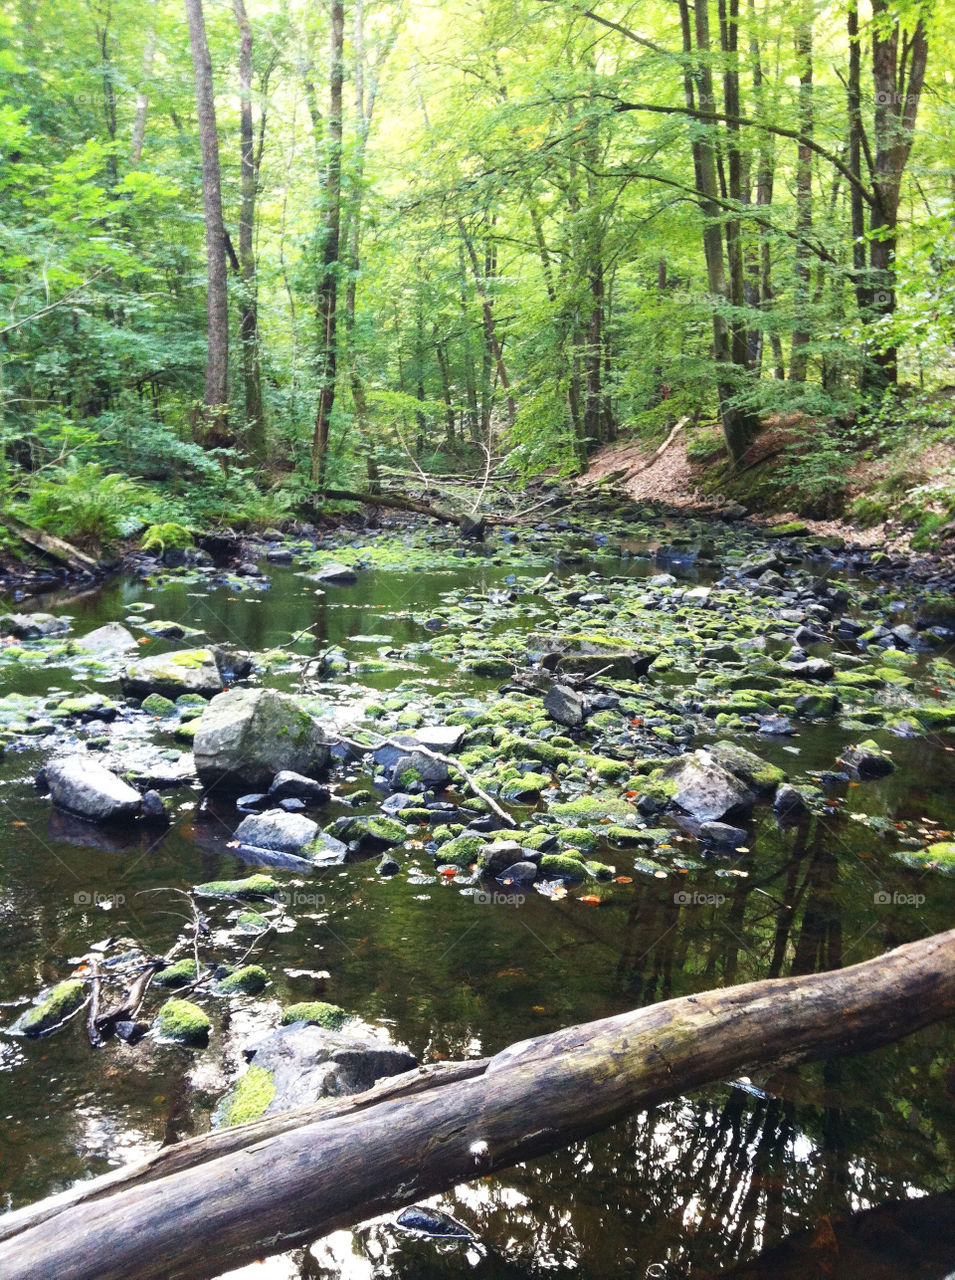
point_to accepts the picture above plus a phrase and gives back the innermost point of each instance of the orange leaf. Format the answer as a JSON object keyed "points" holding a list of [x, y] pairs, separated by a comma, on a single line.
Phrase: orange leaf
{"points": [[623, 880], [589, 897]]}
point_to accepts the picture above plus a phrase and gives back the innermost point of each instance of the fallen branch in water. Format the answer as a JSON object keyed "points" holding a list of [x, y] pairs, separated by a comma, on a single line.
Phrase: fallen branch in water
{"points": [[227, 1199]]}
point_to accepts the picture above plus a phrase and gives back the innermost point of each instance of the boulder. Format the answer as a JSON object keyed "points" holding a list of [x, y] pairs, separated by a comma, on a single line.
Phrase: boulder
{"points": [[113, 638], [565, 705], [418, 767], [440, 737], [722, 835], [308, 1062], [247, 736], [334, 574], [789, 804], [867, 761], [173, 674], [82, 786], [706, 790], [754, 773], [31, 626], [581, 655], [276, 830]]}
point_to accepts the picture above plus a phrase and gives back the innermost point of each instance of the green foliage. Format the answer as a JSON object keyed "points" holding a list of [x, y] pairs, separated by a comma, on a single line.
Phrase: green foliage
{"points": [[80, 502], [161, 537]]}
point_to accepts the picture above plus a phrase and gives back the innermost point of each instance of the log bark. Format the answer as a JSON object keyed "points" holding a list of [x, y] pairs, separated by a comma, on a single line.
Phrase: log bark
{"points": [[296, 1178], [62, 552]]}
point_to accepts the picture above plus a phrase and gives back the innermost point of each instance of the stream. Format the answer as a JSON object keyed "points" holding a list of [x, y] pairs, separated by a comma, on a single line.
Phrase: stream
{"points": [[861, 1148]]}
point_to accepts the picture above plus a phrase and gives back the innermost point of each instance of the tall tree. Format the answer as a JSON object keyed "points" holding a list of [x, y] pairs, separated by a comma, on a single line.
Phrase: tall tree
{"points": [[248, 305], [214, 428], [327, 293]]}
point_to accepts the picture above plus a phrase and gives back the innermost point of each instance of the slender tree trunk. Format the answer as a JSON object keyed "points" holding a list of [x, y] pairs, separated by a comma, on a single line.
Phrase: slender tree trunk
{"points": [[248, 314], [328, 279], [493, 351], [898, 83], [856, 204], [214, 429], [798, 362], [729, 42], [142, 103]]}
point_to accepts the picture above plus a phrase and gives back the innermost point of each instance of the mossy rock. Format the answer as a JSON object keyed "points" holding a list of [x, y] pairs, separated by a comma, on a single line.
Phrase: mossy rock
{"points": [[490, 668], [187, 731], [592, 809], [65, 998], [608, 770], [330, 1016], [181, 974], [579, 838], [564, 866], [934, 717], [156, 705], [182, 1022], [938, 857], [252, 922], [257, 886], [462, 851], [746, 766], [250, 980], [249, 1099]]}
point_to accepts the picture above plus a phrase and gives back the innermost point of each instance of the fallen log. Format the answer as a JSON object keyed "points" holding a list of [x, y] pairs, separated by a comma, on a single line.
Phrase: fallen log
{"points": [[55, 548], [298, 1177]]}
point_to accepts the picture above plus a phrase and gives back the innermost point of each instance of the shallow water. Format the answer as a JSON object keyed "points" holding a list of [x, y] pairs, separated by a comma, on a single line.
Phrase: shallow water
{"points": [[689, 1189]]}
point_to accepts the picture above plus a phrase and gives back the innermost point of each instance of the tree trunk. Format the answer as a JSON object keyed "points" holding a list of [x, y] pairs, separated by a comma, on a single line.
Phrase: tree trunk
{"points": [[142, 103], [327, 300], [228, 1198], [798, 363], [248, 314], [214, 429], [856, 204], [898, 84]]}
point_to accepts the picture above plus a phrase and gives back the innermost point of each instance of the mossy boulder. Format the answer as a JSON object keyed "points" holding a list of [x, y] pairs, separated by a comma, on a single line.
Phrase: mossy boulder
{"points": [[248, 981], [181, 974], [462, 851], [256, 886], [156, 705], [182, 1022], [172, 674], [330, 1016], [249, 1099], [749, 768], [247, 736], [590, 809], [564, 866], [65, 998]]}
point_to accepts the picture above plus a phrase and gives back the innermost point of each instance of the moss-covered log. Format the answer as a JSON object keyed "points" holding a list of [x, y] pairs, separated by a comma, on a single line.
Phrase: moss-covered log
{"points": [[223, 1200]]}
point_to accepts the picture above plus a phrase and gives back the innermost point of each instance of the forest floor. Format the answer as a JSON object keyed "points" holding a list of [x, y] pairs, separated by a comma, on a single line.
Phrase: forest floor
{"points": [[670, 476]]}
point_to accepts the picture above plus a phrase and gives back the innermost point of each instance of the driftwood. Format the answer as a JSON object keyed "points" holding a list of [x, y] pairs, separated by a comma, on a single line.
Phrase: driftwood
{"points": [[226, 1199], [55, 548]]}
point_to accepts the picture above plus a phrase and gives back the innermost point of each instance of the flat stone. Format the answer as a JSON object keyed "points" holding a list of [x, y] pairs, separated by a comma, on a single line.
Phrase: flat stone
{"points": [[173, 674], [113, 638], [32, 626], [82, 786], [440, 737], [276, 830]]}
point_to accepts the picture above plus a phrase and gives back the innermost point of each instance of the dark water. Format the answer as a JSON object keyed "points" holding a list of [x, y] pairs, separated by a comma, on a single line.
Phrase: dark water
{"points": [[690, 1189]]}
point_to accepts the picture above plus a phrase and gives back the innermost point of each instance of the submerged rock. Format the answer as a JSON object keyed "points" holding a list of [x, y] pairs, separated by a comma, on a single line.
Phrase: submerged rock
{"points": [[335, 574], [82, 786], [247, 736], [867, 760]]}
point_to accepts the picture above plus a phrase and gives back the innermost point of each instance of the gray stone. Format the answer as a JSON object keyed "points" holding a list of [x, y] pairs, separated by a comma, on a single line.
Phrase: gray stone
{"points": [[154, 809], [276, 830], [31, 626], [494, 857], [432, 774], [113, 638], [173, 674], [519, 873], [440, 737], [335, 574], [866, 761], [789, 803], [706, 790], [812, 669], [288, 784], [564, 705], [755, 566], [722, 835], [326, 851], [82, 786], [247, 736], [308, 1062]]}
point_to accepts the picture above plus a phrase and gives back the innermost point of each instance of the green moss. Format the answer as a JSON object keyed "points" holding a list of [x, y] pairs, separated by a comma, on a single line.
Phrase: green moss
{"points": [[183, 1023], [330, 1016], [460, 852], [564, 866], [936, 717], [257, 886], [250, 1097], [64, 999], [578, 838], [756, 773], [156, 705], [591, 809], [937, 857], [252, 922], [186, 732], [608, 770], [249, 981], [180, 974], [163, 537]]}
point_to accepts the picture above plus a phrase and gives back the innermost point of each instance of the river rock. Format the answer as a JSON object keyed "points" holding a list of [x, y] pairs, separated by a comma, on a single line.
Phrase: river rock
{"points": [[113, 638], [82, 786], [173, 674], [335, 574], [440, 737], [276, 830], [291, 785], [308, 1062], [706, 790], [247, 736], [31, 626], [789, 803], [418, 767], [722, 835], [565, 705], [867, 761]]}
